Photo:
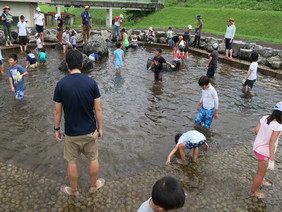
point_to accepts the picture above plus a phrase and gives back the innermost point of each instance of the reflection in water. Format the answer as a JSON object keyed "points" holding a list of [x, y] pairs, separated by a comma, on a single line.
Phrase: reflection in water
{"points": [[118, 81]]}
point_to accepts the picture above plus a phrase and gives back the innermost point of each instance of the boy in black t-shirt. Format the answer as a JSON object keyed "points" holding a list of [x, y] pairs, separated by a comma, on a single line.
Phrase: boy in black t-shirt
{"points": [[212, 62], [158, 65]]}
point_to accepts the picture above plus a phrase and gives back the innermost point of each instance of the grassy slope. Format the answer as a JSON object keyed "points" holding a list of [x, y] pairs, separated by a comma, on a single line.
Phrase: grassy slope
{"points": [[255, 25]]}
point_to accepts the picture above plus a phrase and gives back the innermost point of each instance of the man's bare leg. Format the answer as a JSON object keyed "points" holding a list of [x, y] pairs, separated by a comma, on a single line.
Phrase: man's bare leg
{"points": [[73, 177]]}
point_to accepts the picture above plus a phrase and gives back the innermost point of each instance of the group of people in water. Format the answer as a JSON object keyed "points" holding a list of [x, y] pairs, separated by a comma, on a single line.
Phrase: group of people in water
{"points": [[83, 127]]}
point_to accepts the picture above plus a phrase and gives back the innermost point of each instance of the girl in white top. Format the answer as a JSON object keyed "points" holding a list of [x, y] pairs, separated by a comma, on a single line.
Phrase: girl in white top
{"points": [[66, 39], [268, 131], [251, 76]]}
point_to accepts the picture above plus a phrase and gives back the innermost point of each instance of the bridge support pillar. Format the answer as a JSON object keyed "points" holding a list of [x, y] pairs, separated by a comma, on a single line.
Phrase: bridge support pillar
{"points": [[58, 9], [109, 17]]}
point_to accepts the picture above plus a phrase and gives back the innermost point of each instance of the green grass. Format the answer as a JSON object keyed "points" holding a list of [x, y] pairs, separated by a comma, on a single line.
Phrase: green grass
{"points": [[275, 5], [254, 25], [99, 15]]}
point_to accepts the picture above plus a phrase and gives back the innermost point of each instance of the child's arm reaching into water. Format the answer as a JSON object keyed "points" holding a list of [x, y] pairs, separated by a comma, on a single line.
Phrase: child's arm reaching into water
{"points": [[170, 154], [172, 66], [150, 67]]}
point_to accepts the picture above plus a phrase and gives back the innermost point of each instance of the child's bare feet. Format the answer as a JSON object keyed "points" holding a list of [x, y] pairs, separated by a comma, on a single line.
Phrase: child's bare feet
{"points": [[182, 162], [258, 195], [266, 183]]}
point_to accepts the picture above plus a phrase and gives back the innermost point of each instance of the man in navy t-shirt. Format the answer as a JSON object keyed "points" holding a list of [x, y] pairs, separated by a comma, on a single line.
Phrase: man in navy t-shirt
{"points": [[78, 95]]}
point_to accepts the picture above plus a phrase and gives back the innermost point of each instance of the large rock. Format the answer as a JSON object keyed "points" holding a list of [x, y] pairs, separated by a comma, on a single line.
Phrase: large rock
{"points": [[250, 45], [129, 32], [2, 37], [245, 54], [266, 52], [275, 62], [162, 40], [210, 42], [79, 37], [50, 35], [160, 34], [258, 48], [88, 65], [136, 32], [142, 36], [106, 35], [14, 34], [221, 48], [236, 46], [97, 44]]}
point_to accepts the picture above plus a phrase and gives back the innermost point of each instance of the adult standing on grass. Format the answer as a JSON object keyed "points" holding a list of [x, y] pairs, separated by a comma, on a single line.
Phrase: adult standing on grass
{"points": [[198, 32], [118, 22], [6, 20], [39, 23], [86, 23], [78, 95], [229, 36]]}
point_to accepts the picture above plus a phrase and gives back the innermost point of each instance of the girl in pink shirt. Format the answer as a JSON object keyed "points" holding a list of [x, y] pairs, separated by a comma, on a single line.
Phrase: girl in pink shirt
{"points": [[268, 131]]}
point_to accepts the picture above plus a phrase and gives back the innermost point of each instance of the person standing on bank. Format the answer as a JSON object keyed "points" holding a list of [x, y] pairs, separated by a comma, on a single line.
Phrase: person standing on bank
{"points": [[6, 20], [86, 23], [229, 36], [39, 24], [198, 32], [78, 95], [22, 32], [116, 30]]}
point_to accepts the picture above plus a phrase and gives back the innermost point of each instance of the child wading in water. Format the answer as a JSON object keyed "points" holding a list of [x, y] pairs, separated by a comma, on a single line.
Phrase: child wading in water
{"points": [[208, 105], [158, 65], [42, 57], [268, 131], [251, 77], [16, 77], [212, 61], [118, 58], [189, 140], [125, 42]]}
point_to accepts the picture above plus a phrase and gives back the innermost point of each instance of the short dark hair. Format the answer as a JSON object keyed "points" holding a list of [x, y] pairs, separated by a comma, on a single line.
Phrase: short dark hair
{"points": [[67, 28], [27, 51], [21, 17], [254, 56], [123, 30], [118, 44], [177, 136], [92, 33], [168, 193], [204, 80], [42, 50], [13, 56], [159, 50], [277, 115], [74, 59]]}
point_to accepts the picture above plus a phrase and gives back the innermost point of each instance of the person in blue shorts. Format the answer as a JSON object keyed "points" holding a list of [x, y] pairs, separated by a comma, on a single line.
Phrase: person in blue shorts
{"points": [[16, 75], [118, 58], [208, 105], [189, 140]]}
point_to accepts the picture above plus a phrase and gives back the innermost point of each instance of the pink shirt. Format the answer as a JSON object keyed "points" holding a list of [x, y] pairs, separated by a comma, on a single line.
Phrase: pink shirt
{"points": [[261, 144]]}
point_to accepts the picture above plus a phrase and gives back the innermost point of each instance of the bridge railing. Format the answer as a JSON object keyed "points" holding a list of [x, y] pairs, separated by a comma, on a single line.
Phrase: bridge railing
{"points": [[125, 1]]}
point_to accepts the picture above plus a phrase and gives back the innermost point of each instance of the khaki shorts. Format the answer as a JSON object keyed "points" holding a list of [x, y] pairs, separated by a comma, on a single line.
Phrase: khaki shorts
{"points": [[86, 144]]}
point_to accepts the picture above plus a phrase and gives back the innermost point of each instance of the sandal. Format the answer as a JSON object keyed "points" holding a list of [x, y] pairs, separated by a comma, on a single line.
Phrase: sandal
{"points": [[67, 190], [100, 183], [258, 195]]}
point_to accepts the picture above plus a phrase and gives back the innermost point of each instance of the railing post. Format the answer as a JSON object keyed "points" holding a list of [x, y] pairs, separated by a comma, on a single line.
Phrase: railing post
{"points": [[109, 17]]}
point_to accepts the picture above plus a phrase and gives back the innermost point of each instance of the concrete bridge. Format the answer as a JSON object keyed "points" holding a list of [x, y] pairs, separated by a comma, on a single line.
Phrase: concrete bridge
{"points": [[109, 5]]}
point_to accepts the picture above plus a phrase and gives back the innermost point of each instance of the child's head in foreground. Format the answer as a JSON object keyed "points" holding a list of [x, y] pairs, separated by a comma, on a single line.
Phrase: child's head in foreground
{"points": [[118, 45], [204, 81], [158, 51], [13, 58], [168, 195], [254, 56], [276, 114]]}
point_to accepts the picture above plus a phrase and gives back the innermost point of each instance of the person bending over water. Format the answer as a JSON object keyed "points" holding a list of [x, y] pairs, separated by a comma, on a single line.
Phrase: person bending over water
{"points": [[268, 131], [189, 140]]}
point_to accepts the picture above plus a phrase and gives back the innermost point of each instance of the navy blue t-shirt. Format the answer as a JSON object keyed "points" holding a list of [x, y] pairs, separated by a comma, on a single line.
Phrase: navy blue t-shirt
{"points": [[77, 92]]}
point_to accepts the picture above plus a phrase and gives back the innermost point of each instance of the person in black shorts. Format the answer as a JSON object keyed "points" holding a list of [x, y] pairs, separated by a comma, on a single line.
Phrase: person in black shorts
{"points": [[39, 23], [158, 65], [60, 30]]}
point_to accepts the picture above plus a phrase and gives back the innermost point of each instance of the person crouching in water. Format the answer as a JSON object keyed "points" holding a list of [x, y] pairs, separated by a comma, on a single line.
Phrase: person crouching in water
{"points": [[158, 65], [189, 140]]}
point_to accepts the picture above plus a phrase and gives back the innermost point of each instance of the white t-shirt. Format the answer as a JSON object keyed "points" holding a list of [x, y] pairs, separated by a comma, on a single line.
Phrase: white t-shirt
{"points": [[193, 136], [22, 28], [145, 207], [254, 68], [261, 144], [209, 98], [38, 43], [38, 17], [66, 37]]}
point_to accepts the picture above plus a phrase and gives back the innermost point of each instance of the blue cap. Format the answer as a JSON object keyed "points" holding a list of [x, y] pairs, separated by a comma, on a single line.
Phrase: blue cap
{"points": [[278, 106]]}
